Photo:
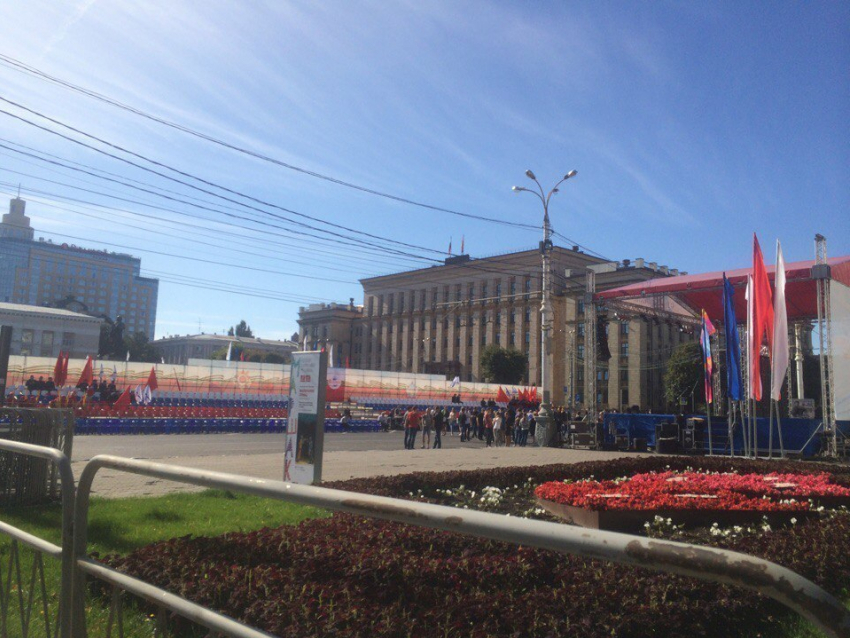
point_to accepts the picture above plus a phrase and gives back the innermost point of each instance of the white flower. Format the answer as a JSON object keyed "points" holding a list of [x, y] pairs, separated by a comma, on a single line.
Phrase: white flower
{"points": [[647, 525], [793, 521]]}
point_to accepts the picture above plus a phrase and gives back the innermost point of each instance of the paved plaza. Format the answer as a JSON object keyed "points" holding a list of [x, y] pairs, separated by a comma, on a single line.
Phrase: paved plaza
{"points": [[261, 456]]}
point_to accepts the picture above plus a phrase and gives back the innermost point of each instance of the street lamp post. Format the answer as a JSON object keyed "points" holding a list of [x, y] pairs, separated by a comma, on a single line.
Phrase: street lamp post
{"points": [[544, 430]]}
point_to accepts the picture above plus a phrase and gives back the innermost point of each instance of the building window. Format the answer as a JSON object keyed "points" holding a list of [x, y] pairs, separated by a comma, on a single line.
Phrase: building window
{"points": [[498, 289], [471, 292], [624, 328], [46, 344], [498, 317], [422, 299], [527, 286], [580, 307], [512, 339], [527, 315], [513, 287], [513, 316], [401, 297], [391, 304], [580, 329], [469, 341], [457, 292], [380, 305], [483, 292], [527, 337], [498, 339], [580, 351], [371, 305], [624, 348]]}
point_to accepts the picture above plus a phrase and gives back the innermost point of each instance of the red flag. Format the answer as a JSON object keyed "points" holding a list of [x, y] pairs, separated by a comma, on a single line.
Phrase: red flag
{"points": [[532, 395], [65, 369], [242, 356], [123, 402], [762, 317], [57, 370], [152, 384], [177, 379], [501, 397], [87, 374]]}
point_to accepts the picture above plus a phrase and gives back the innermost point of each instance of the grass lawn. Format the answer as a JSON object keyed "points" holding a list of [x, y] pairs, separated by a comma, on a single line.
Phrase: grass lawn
{"points": [[118, 526]]}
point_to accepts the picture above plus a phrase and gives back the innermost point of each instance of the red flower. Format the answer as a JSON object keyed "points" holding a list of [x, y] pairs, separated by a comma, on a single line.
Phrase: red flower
{"points": [[697, 491]]}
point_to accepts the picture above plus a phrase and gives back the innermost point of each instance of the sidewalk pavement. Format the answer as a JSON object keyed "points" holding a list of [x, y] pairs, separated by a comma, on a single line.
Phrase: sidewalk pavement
{"points": [[340, 466]]}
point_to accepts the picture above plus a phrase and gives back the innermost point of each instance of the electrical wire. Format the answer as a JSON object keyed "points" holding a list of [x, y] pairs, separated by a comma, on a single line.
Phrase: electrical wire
{"points": [[21, 66]]}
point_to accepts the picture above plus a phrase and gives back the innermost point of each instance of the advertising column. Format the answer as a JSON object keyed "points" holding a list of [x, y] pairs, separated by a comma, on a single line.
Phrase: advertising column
{"points": [[305, 429]]}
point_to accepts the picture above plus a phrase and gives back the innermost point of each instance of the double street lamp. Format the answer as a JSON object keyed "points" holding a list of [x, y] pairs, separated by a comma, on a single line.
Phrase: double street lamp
{"points": [[544, 429]]}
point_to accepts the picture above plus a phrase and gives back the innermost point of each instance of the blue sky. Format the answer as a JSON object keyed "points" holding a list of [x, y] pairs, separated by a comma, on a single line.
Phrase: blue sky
{"points": [[691, 125]]}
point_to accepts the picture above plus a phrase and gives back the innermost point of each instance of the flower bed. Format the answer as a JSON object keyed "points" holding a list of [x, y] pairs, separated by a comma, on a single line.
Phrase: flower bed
{"points": [[692, 497], [349, 576]]}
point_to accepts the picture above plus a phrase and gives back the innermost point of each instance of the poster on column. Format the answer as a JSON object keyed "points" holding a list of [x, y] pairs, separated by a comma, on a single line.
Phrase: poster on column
{"points": [[305, 427]]}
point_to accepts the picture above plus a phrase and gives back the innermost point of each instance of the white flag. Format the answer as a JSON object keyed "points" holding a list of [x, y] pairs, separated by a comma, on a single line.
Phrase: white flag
{"points": [[779, 356], [331, 357], [455, 381], [750, 327], [128, 355], [229, 350]]}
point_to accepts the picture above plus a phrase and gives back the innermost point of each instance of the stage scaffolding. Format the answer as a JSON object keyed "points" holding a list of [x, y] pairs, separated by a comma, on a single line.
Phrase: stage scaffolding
{"points": [[810, 286]]}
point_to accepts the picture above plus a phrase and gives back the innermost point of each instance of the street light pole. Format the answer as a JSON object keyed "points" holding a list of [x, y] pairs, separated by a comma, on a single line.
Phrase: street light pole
{"points": [[544, 430]]}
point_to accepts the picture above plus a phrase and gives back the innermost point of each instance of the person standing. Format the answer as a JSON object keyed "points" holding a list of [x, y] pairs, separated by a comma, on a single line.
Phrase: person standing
{"points": [[523, 423], [439, 421], [463, 422], [452, 422], [427, 423], [411, 427], [488, 426], [499, 429]]}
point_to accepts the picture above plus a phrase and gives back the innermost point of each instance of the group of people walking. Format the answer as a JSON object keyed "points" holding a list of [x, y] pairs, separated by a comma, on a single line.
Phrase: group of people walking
{"points": [[495, 426]]}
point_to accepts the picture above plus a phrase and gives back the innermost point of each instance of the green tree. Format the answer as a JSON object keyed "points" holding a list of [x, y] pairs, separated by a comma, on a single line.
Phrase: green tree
{"points": [[241, 329], [255, 356], [502, 365], [684, 374], [141, 349]]}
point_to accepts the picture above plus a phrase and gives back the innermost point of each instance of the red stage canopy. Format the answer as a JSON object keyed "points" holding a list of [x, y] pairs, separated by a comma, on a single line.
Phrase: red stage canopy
{"points": [[705, 291]]}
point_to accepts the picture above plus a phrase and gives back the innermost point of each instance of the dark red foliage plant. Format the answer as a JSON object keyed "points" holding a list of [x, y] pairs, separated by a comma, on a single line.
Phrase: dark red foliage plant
{"points": [[356, 577]]}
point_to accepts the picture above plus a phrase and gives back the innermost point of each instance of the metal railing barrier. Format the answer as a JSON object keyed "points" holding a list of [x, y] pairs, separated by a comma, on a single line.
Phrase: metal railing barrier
{"points": [[704, 563], [12, 585]]}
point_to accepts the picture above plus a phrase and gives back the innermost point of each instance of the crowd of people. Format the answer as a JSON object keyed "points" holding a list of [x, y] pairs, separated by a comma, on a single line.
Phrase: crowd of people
{"points": [[46, 389]]}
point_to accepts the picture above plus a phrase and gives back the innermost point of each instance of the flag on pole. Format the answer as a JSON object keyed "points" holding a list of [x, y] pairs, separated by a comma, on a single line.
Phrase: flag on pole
{"points": [[100, 375], [748, 295], [762, 316], [779, 354], [455, 382], [123, 402], [87, 375], [57, 370], [65, 368], [151, 382], [128, 356], [177, 379], [708, 329], [229, 351], [450, 245], [462, 243], [114, 376], [733, 344], [331, 357]]}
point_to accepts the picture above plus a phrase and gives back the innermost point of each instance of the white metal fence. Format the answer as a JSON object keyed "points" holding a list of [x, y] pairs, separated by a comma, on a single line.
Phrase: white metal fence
{"points": [[709, 564]]}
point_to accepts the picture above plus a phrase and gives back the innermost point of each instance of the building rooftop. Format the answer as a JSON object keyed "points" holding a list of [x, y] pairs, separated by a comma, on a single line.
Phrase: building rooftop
{"points": [[224, 339], [42, 310]]}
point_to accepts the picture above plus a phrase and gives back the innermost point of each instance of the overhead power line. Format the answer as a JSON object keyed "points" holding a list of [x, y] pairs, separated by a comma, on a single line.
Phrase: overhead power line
{"points": [[23, 67], [198, 179]]}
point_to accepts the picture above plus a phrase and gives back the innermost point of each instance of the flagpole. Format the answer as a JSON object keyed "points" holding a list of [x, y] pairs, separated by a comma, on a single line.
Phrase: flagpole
{"points": [[770, 431], [779, 432]]}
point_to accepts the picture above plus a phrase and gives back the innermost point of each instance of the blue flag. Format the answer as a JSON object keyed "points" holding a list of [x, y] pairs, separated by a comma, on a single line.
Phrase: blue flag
{"points": [[733, 344]]}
